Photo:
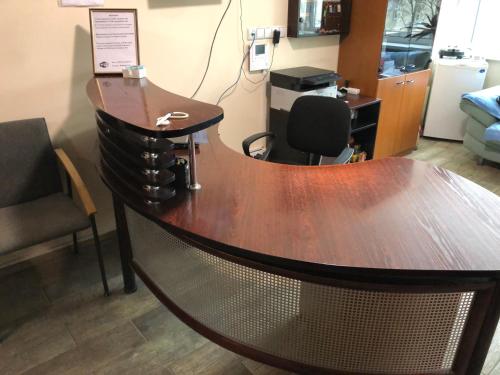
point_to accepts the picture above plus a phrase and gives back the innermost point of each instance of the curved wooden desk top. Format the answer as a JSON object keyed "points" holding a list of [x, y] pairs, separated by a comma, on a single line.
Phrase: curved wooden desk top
{"points": [[390, 216], [139, 103]]}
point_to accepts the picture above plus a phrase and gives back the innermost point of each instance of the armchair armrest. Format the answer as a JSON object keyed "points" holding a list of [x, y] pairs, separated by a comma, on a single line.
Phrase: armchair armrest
{"points": [[248, 141], [83, 193], [345, 156]]}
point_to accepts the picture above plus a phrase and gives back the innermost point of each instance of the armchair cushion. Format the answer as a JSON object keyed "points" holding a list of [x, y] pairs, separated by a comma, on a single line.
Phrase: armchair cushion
{"points": [[39, 220], [477, 113]]}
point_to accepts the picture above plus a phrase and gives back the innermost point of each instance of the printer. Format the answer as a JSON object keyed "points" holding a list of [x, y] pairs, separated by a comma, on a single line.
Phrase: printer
{"points": [[287, 85]]}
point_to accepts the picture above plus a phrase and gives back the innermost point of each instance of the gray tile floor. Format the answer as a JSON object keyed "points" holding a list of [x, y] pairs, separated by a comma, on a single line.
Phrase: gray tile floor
{"points": [[453, 156], [55, 320]]}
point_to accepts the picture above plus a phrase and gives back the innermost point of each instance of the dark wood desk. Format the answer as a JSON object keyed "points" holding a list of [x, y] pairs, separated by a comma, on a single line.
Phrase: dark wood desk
{"points": [[389, 266]]}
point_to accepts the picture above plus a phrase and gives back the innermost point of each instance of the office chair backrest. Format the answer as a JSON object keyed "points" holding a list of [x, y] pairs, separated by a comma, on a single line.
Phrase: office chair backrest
{"points": [[319, 125], [28, 165]]}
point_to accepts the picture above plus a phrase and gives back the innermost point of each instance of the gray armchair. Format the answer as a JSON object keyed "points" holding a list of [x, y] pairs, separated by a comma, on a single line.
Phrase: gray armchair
{"points": [[477, 123], [33, 206]]}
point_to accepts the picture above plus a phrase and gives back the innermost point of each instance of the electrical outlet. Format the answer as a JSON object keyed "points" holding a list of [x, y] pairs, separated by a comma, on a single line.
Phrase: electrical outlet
{"points": [[251, 31], [265, 32]]}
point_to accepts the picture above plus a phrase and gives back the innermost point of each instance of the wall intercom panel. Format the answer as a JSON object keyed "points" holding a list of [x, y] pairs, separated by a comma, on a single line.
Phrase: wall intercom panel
{"points": [[259, 57]]}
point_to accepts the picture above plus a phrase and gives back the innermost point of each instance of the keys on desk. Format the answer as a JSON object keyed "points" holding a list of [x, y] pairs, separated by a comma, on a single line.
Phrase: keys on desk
{"points": [[164, 120]]}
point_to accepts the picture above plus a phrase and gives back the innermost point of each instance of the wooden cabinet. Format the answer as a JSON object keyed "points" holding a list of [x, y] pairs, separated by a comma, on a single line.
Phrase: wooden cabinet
{"points": [[410, 114], [390, 90], [400, 118], [388, 63], [315, 18], [359, 52]]}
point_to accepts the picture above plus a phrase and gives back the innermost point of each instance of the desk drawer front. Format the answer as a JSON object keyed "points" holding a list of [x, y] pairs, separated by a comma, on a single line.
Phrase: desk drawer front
{"points": [[109, 125], [141, 157], [147, 166], [144, 176]]}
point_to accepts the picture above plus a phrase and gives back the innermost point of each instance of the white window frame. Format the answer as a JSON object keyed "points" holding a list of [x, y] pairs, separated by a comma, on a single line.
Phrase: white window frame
{"points": [[485, 39]]}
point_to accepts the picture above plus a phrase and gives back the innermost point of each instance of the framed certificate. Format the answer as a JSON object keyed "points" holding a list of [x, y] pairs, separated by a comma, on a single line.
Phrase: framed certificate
{"points": [[115, 39]]}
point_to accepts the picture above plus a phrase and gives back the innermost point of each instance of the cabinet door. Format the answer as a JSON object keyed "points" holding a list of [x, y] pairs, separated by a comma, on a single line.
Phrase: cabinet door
{"points": [[411, 112], [390, 90]]}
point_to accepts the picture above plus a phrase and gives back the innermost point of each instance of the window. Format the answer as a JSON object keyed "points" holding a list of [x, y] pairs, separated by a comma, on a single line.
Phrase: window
{"points": [[470, 24], [485, 40]]}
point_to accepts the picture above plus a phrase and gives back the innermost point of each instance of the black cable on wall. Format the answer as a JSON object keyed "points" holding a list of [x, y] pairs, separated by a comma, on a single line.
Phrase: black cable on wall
{"points": [[212, 48]]}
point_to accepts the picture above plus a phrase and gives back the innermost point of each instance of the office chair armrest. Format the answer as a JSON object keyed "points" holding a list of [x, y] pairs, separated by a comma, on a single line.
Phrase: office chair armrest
{"points": [[345, 156], [248, 141], [83, 193]]}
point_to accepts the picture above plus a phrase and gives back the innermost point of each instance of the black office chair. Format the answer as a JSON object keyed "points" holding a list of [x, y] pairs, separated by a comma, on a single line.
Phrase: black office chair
{"points": [[318, 125]]}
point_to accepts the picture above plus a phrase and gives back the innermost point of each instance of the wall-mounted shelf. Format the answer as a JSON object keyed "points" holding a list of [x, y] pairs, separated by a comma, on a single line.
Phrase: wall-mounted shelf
{"points": [[308, 18]]}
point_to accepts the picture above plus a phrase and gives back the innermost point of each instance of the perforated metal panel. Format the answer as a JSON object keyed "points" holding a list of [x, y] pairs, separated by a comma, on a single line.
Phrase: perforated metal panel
{"points": [[335, 328]]}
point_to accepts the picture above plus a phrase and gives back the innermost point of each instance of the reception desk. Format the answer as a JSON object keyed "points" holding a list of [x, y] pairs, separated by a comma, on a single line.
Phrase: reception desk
{"points": [[384, 267]]}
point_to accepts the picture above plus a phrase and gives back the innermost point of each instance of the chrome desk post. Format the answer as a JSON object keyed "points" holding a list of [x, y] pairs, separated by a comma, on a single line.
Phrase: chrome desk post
{"points": [[193, 185]]}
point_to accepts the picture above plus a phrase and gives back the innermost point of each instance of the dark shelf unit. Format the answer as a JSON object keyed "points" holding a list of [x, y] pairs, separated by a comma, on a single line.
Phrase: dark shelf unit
{"points": [[358, 126], [333, 18], [364, 127]]}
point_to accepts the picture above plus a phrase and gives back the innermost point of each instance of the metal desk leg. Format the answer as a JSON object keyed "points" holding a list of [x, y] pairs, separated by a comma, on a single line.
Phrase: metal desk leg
{"points": [[193, 185], [129, 284]]}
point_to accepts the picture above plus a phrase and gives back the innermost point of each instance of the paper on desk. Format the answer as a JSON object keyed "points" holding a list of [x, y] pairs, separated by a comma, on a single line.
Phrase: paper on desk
{"points": [[81, 3]]}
